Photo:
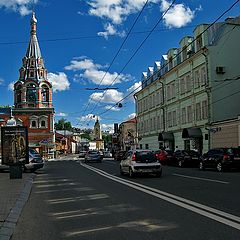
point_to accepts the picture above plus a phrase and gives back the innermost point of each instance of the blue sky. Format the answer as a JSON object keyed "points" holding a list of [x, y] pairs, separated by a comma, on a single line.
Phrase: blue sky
{"points": [[79, 39]]}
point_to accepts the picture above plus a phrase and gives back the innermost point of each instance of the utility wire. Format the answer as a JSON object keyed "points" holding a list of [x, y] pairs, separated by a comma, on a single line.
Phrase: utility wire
{"points": [[210, 25], [117, 53], [136, 51]]}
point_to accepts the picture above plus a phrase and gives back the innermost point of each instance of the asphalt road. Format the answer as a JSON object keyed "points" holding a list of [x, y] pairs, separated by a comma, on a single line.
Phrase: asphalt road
{"points": [[72, 200]]}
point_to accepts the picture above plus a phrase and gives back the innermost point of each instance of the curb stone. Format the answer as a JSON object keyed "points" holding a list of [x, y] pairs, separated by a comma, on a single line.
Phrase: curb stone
{"points": [[7, 229]]}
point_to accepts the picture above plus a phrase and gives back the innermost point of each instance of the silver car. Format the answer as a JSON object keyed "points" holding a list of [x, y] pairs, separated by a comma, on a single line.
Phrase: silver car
{"points": [[35, 161], [93, 156], [140, 161]]}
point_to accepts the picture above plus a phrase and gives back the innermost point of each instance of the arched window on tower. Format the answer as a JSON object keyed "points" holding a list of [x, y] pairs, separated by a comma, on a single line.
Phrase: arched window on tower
{"points": [[45, 94], [31, 93], [19, 94]]}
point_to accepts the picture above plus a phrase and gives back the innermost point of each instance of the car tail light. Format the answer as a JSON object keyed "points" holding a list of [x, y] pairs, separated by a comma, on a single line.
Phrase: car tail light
{"points": [[226, 157], [133, 157]]}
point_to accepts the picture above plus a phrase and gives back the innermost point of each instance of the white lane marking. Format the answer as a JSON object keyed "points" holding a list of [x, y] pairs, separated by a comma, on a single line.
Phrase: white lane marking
{"points": [[198, 178], [198, 208]]}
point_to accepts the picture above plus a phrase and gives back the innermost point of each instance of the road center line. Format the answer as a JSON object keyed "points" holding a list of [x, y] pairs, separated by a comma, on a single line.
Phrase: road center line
{"points": [[203, 179], [217, 215]]}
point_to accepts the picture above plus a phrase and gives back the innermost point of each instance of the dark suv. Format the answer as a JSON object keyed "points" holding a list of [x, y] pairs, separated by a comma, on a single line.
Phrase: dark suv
{"points": [[221, 159], [184, 158]]}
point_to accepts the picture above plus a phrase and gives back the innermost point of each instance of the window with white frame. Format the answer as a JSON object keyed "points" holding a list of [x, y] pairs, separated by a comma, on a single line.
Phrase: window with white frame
{"points": [[188, 83], [154, 123], [189, 114], [43, 122], [198, 111], [183, 115], [197, 79], [169, 119], [34, 122], [184, 53], [204, 109], [150, 101], [168, 92], [174, 118], [157, 98], [161, 96], [182, 85], [158, 123], [199, 43], [173, 90], [203, 76]]}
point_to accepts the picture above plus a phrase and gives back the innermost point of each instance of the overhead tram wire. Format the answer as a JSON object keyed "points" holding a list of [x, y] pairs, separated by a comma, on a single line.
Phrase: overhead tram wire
{"points": [[117, 53], [210, 25], [136, 51]]}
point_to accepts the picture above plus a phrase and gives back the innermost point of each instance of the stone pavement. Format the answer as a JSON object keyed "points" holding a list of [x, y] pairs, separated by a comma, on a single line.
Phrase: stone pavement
{"points": [[14, 194]]}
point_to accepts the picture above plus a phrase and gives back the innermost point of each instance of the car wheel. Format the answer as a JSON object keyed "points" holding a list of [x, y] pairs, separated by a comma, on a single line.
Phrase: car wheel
{"points": [[159, 174], [219, 167], [201, 166], [131, 173]]}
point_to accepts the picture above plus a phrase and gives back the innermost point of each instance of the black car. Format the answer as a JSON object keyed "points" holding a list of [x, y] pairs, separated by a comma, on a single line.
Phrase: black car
{"points": [[221, 159], [183, 158]]}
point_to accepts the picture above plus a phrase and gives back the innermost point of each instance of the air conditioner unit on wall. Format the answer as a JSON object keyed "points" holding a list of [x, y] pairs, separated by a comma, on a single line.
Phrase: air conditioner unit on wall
{"points": [[220, 70]]}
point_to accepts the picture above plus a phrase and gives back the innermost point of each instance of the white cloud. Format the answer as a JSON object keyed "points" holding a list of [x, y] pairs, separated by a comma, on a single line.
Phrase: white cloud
{"points": [[108, 96], [93, 73], [107, 127], [115, 12], [89, 117], [23, 7], [131, 116], [11, 86], [110, 30], [136, 86], [59, 81], [61, 114], [177, 16], [112, 108]]}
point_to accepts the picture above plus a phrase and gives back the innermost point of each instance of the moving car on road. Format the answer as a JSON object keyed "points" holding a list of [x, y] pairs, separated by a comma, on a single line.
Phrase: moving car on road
{"points": [[140, 161], [82, 154], [221, 159], [93, 156]]}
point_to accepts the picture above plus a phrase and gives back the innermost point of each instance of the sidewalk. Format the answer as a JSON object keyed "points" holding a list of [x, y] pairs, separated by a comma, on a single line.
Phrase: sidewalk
{"points": [[14, 194]]}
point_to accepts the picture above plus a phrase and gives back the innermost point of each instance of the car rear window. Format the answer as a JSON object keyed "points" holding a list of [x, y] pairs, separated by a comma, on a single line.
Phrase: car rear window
{"points": [[234, 151], [145, 156]]}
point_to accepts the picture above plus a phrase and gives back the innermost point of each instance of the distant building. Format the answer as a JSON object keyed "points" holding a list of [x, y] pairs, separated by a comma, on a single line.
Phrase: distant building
{"points": [[98, 135], [33, 98], [128, 134], [194, 90]]}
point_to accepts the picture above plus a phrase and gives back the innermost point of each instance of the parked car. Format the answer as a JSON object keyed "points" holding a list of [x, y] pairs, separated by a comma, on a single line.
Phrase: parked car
{"points": [[119, 155], [82, 154], [35, 161], [93, 156], [184, 158], [107, 154], [161, 156], [221, 159], [140, 161]]}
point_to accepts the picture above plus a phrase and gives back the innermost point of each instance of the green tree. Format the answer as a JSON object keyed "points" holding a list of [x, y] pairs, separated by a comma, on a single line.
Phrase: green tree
{"points": [[62, 124]]}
